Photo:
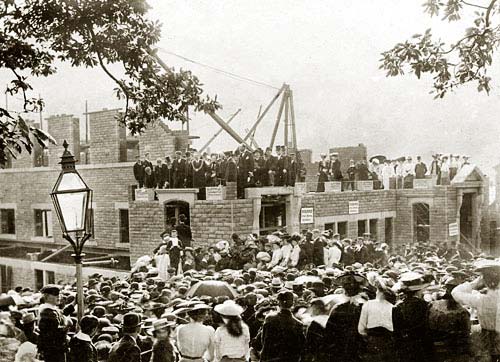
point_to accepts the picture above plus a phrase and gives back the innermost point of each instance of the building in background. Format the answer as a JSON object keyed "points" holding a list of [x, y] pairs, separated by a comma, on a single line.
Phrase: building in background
{"points": [[128, 224]]}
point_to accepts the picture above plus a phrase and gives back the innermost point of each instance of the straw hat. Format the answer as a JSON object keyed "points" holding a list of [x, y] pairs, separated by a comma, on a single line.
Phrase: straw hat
{"points": [[161, 325], [229, 308]]}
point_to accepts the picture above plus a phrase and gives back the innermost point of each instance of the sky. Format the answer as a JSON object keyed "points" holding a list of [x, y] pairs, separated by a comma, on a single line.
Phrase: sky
{"points": [[328, 52]]}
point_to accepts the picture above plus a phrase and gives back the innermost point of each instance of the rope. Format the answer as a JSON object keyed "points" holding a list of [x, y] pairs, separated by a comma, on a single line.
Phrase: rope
{"points": [[218, 70]]}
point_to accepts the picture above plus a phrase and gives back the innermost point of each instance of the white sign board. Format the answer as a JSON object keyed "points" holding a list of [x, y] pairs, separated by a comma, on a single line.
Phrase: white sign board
{"points": [[365, 185], [422, 183], [353, 207], [453, 229], [307, 215], [215, 193], [144, 194], [333, 186]]}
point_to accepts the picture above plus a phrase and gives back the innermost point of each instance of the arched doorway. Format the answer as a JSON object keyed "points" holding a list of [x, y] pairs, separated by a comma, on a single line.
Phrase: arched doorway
{"points": [[175, 208]]}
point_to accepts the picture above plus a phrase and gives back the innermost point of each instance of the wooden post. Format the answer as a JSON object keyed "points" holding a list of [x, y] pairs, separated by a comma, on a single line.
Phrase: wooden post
{"points": [[228, 129], [287, 109], [278, 120], [294, 131], [219, 131], [265, 112]]}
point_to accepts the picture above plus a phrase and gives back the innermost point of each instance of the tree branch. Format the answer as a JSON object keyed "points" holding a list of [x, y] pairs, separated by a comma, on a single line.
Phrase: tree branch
{"points": [[488, 13], [474, 5], [101, 63]]}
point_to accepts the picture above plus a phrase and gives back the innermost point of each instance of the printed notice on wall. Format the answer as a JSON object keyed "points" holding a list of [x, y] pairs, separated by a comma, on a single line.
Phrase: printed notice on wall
{"points": [[353, 207], [307, 215], [453, 229], [215, 193]]}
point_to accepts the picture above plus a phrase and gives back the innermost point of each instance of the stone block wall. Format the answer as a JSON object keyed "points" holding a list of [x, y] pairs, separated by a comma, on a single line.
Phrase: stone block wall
{"points": [[30, 189], [212, 221], [106, 136], [63, 127], [158, 140], [146, 225]]}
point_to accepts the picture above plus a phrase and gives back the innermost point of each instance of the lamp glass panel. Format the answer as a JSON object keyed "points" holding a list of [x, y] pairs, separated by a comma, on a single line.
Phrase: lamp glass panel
{"points": [[73, 210], [71, 181]]}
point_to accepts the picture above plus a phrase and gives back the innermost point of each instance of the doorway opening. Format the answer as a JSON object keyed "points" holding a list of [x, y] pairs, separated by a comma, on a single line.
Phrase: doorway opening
{"points": [[466, 218], [172, 211], [272, 214], [421, 222]]}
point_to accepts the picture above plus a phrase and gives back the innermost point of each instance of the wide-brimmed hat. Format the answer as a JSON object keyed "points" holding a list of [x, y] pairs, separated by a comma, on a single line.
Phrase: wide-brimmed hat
{"points": [[229, 308], [412, 281], [276, 283], [160, 325], [485, 264]]}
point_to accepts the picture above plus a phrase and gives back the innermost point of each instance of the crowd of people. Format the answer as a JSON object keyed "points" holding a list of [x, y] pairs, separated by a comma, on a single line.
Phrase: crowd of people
{"points": [[381, 171], [193, 169], [314, 297]]}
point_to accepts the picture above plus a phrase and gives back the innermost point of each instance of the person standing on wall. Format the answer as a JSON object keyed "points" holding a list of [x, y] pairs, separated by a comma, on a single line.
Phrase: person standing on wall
{"points": [[179, 170], [139, 171]]}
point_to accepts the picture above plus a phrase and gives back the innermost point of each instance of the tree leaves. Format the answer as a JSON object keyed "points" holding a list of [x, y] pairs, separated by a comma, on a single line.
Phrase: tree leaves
{"points": [[93, 33], [466, 60]]}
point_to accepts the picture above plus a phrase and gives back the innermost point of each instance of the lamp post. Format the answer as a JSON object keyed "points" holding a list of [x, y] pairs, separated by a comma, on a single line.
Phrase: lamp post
{"points": [[72, 200]]}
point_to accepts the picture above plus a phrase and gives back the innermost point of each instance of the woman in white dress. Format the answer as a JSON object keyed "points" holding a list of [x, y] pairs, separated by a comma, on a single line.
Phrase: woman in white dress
{"points": [[232, 339]]}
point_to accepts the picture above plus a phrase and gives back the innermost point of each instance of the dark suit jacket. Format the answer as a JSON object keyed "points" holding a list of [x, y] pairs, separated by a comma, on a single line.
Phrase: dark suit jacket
{"points": [[52, 338], [282, 338], [184, 234], [138, 171], [81, 350], [125, 350], [231, 172]]}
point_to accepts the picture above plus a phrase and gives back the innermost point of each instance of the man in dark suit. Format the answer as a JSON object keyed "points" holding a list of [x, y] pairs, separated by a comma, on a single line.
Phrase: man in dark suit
{"points": [[139, 171], [189, 170], [230, 168], [270, 166], [293, 169], [159, 174], [81, 346], [146, 162], [179, 170], [184, 231], [197, 175], [246, 165], [282, 336], [282, 165], [126, 349], [53, 326], [335, 171]]}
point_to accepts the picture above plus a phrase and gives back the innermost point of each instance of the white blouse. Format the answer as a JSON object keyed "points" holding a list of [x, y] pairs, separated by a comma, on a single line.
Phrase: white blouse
{"points": [[375, 313], [230, 346]]}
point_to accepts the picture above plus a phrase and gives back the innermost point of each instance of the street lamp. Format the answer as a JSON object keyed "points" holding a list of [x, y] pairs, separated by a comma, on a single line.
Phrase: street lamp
{"points": [[72, 200]]}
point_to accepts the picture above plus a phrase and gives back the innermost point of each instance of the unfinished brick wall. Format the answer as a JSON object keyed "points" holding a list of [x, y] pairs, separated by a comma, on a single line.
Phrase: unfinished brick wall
{"points": [[212, 221], [146, 225], [158, 140], [106, 137], [63, 127]]}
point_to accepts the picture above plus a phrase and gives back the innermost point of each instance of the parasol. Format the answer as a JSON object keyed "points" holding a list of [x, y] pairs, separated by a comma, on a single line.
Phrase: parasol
{"points": [[212, 288]]}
